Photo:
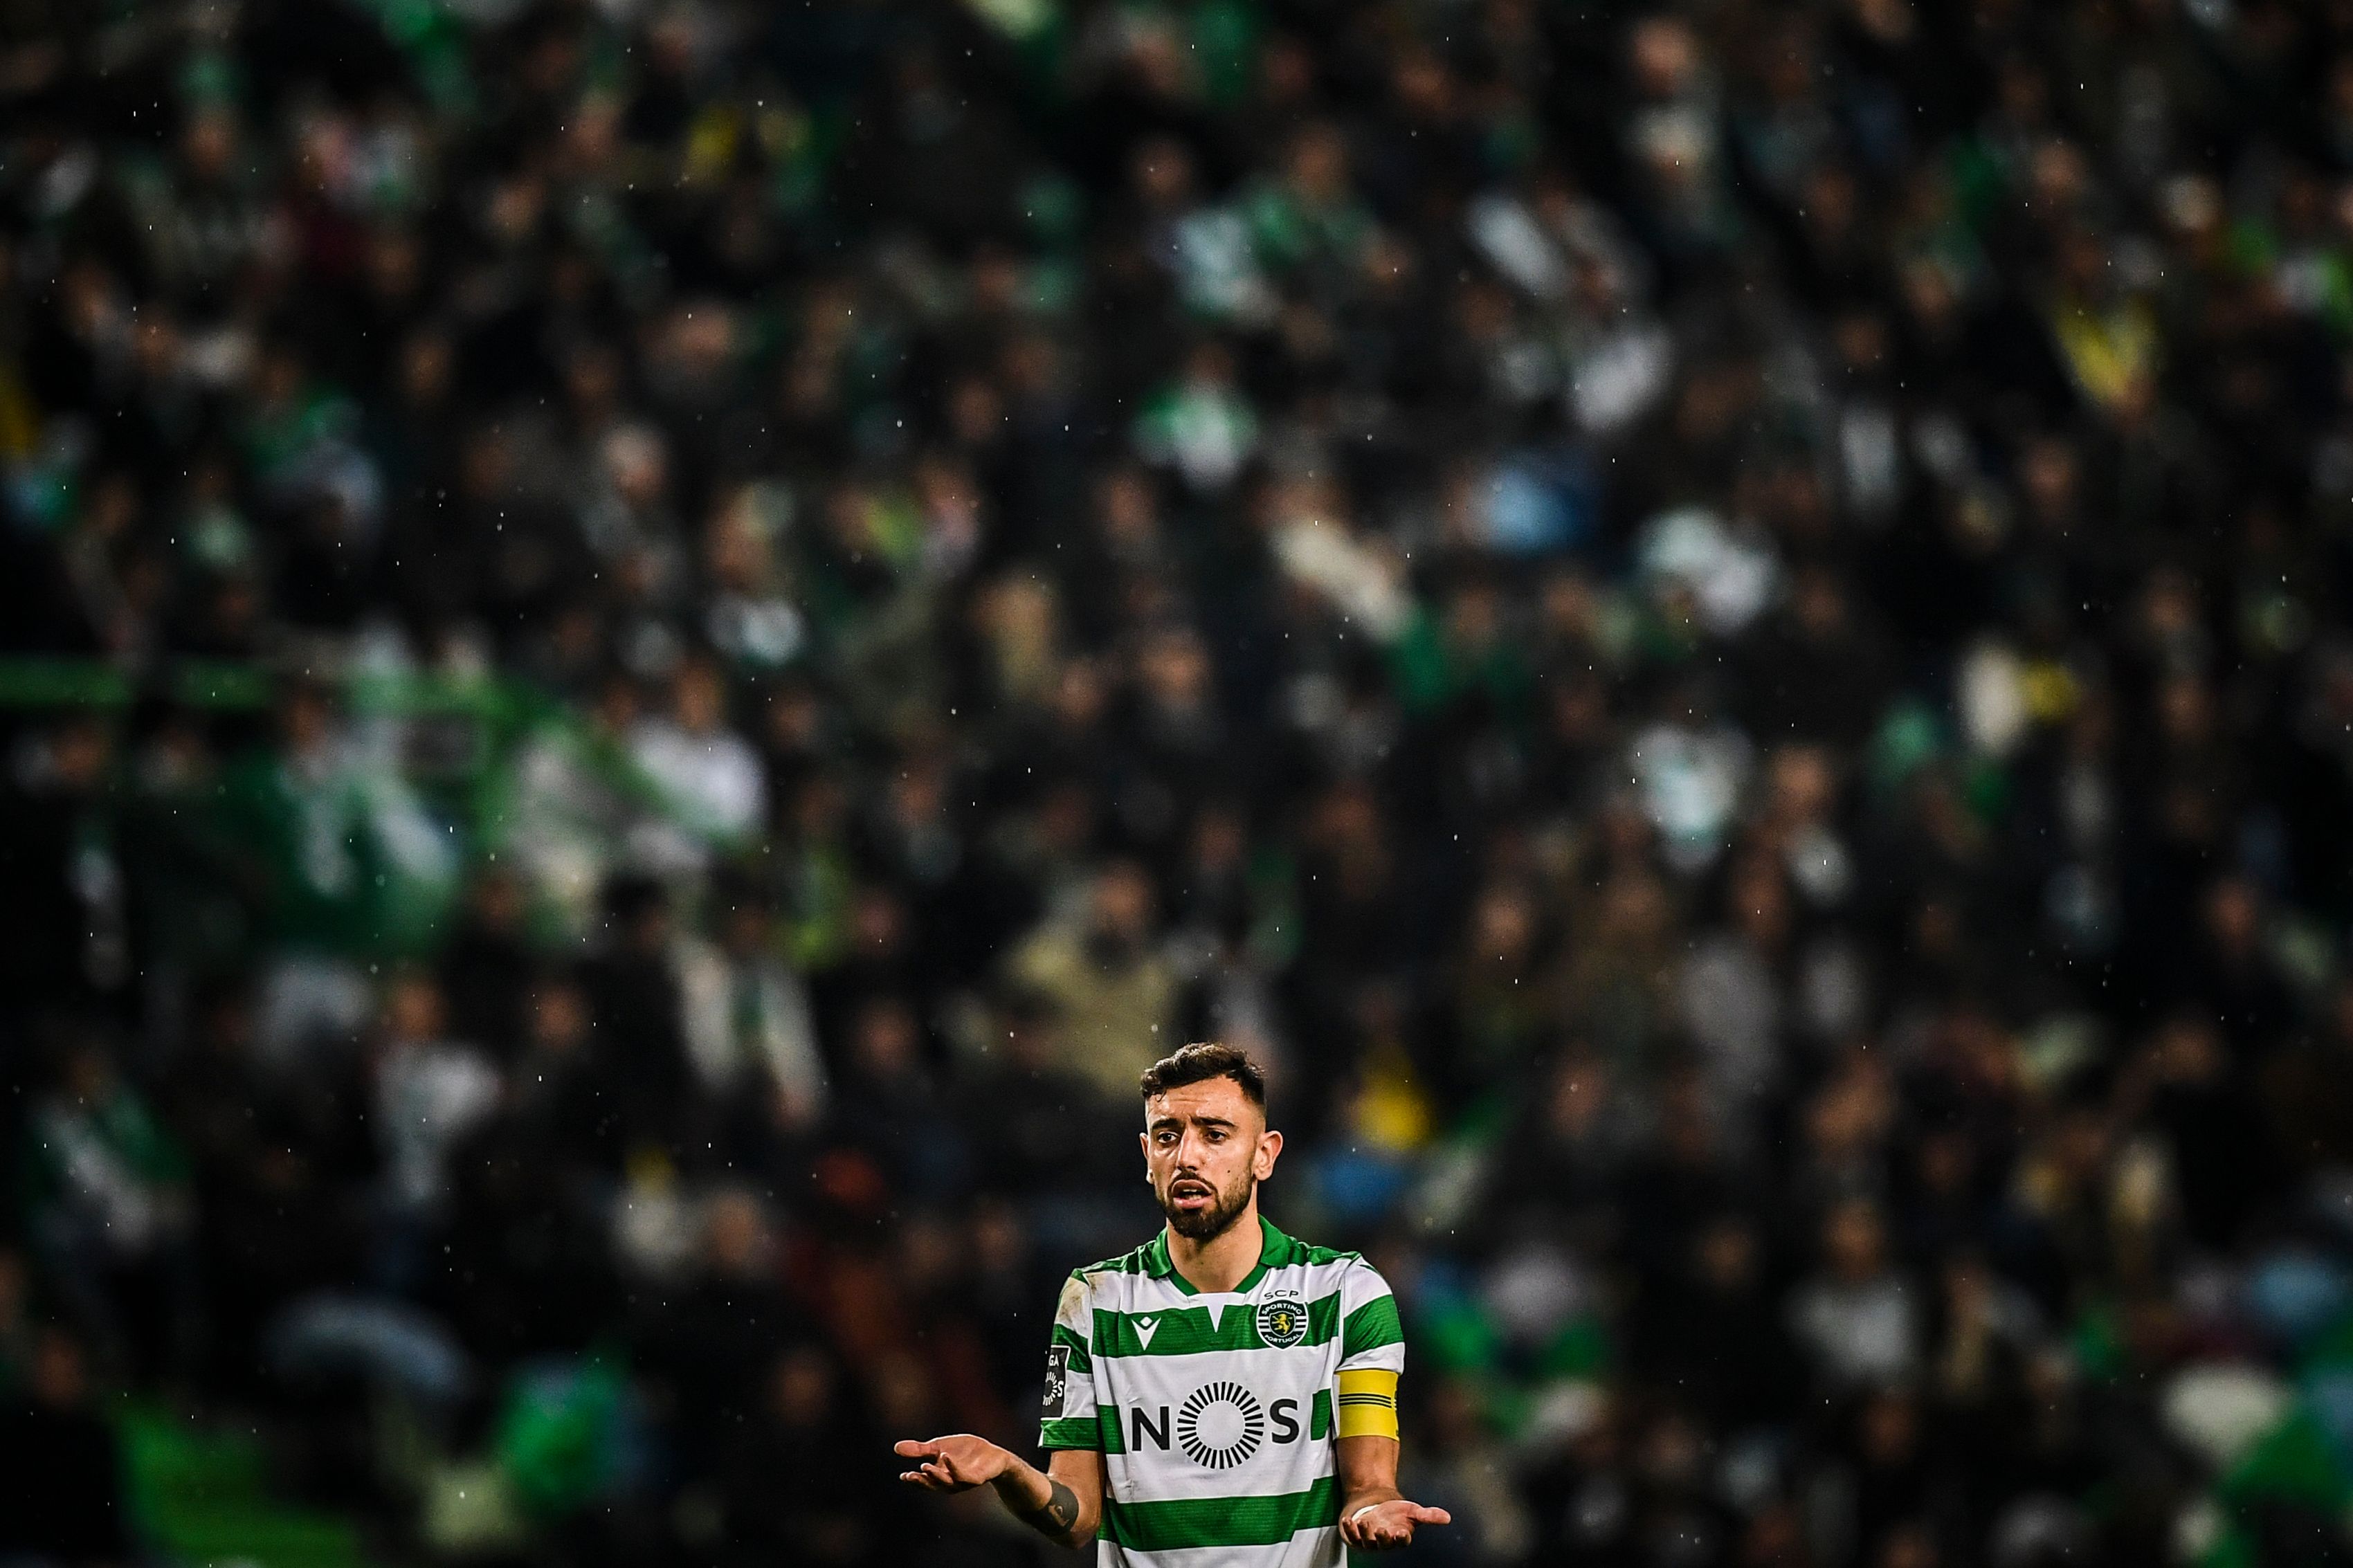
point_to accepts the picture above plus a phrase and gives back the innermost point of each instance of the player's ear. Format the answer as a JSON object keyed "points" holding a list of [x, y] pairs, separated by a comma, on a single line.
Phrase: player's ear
{"points": [[1270, 1149], [1143, 1141]]}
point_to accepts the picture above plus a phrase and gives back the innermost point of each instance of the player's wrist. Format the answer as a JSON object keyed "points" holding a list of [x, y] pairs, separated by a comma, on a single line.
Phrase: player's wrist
{"points": [[1036, 1499], [1020, 1483]]}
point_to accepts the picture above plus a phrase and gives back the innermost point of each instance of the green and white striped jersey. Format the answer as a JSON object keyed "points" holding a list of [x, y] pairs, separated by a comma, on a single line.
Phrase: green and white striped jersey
{"points": [[1215, 1414]]}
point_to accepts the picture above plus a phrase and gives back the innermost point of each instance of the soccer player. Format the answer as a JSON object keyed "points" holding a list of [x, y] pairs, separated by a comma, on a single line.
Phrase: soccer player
{"points": [[1222, 1396]]}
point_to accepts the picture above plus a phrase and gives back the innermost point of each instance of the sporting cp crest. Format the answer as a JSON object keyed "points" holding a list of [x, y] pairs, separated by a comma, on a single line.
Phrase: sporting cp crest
{"points": [[1281, 1321]]}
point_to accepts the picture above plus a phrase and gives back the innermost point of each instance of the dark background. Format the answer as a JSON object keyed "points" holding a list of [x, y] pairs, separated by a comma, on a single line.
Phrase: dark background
{"points": [[650, 648]]}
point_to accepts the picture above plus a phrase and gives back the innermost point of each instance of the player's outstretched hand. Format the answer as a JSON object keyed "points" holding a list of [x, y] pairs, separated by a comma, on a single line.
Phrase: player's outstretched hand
{"points": [[953, 1464], [1390, 1523]]}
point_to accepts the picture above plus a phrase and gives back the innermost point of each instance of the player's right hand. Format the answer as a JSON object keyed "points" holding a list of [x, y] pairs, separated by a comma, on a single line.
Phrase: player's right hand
{"points": [[954, 1464]]}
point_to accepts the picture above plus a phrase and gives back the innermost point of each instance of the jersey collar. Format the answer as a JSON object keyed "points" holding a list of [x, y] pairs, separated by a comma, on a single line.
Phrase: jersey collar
{"points": [[1275, 1250]]}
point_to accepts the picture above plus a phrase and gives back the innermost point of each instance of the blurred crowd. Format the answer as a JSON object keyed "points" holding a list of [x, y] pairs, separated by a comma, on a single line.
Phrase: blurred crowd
{"points": [[653, 644]]}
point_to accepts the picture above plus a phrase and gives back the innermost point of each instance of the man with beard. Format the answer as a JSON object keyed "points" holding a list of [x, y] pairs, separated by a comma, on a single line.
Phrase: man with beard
{"points": [[1222, 1396]]}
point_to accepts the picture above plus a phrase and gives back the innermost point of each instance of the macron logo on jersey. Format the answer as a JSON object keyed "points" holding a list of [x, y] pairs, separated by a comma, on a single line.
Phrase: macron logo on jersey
{"points": [[1146, 1328]]}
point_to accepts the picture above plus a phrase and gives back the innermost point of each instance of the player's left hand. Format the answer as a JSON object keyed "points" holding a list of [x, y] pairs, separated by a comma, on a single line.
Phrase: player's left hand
{"points": [[1389, 1523]]}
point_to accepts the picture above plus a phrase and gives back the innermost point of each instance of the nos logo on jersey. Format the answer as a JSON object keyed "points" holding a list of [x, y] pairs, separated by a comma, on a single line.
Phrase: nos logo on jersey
{"points": [[1281, 1321], [1217, 1426]]}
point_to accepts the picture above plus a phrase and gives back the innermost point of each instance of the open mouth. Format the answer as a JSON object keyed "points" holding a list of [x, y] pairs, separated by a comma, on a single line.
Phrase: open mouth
{"points": [[1190, 1194]]}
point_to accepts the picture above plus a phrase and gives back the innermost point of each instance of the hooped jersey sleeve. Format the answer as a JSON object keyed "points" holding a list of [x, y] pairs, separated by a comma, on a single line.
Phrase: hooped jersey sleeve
{"points": [[1372, 1356], [1370, 1333], [1067, 1419]]}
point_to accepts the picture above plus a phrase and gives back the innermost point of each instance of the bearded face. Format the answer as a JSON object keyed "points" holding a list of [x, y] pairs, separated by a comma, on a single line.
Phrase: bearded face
{"points": [[1198, 1210], [1206, 1149]]}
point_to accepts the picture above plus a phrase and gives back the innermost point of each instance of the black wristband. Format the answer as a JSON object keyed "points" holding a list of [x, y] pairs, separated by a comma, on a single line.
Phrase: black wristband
{"points": [[1058, 1515]]}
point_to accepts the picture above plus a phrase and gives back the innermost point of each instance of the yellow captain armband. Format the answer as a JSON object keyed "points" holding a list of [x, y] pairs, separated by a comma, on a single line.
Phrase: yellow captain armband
{"points": [[1368, 1402]]}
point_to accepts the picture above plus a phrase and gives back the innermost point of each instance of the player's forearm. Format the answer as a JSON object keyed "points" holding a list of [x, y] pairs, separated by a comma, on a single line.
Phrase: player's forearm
{"points": [[1369, 1468], [1045, 1505]]}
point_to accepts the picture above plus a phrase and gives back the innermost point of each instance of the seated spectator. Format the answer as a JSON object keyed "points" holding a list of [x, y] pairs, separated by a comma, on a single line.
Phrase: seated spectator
{"points": [[1855, 1318], [1113, 994], [747, 1023], [109, 1210]]}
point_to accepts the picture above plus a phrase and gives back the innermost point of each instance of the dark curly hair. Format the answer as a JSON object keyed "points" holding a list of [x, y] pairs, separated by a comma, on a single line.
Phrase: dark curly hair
{"points": [[1200, 1062]]}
